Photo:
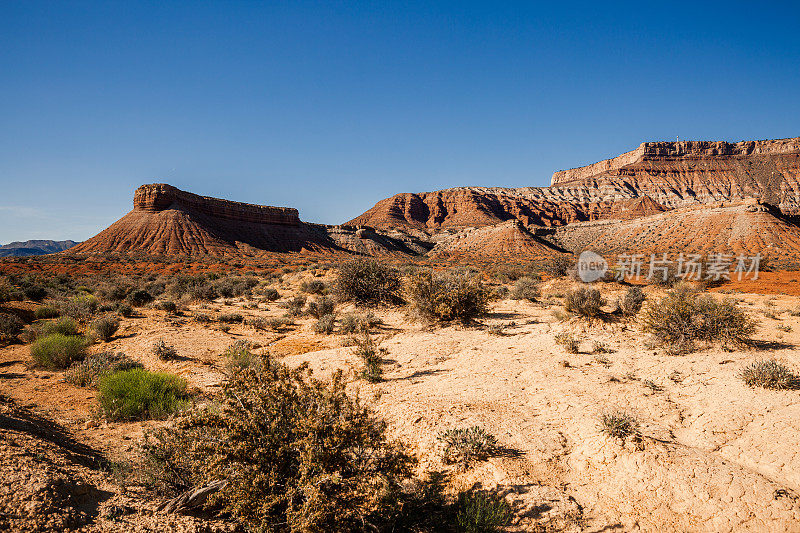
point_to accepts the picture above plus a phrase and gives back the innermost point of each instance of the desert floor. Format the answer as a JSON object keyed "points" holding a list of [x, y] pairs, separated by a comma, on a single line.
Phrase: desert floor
{"points": [[714, 454]]}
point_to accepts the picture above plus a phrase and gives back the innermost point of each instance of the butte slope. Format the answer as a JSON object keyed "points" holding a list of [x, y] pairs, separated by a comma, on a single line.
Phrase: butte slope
{"points": [[641, 198], [168, 221]]}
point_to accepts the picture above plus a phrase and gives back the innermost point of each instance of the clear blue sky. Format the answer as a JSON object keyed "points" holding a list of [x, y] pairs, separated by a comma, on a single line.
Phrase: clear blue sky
{"points": [[332, 106]]}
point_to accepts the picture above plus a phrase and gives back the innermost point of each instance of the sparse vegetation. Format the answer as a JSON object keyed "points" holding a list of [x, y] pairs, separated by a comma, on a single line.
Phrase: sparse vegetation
{"points": [[368, 282], [570, 343], [464, 445], [294, 307], [525, 288], [10, 326], [325, 324], [367, 350], [684, 316], [164, 351], [230, 318], [63, 326], [138, 394], [314, 286], [584, 302], [139, 297], [321, 307], [87, 373], [619, 424], [479, 512], [631, 303], [453, 295], [240, 358], [769, 374], [57, 351], [46, 311]]}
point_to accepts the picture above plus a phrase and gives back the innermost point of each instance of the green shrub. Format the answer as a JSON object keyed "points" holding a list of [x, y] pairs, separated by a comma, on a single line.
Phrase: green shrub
{"points": [[325, 324], [368, 281], [448, 296], [45, 311], [57, 351], [63, 326], [464, 445], [619, 424], [105, 328], [525, 289], [584, 302], [298, 454], [87, 373], [321, 307], [478, 512], [630, 304], [138, 394], [164, 351], [10, 326], [684, 316], [769, 374]]}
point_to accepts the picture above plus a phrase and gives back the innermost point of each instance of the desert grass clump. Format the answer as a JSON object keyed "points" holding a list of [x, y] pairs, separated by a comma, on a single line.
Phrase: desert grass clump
{"points": [[230, 318], [298, 454], [80, 307], [584, 302], [46, 311], [770, 374], [313, 286], [367, 350], [684, 316], [320, 307], [480, 512], [464, 445], [239, 357], [258, 323], [631, 303], [368, 282], [447, 296], [10, 326], [87, 373], [58, 351], [105, 328], [139, 394], [294, 307], [619, 424], [169, 306], [599, 347], [163, 351], [325, 324], [279, 323], [63, 326], [569, 341], [526, 288], [270, 294], [352, 323]]}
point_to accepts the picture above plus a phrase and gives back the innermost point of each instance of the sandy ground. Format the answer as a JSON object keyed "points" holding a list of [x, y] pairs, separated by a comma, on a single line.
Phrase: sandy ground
{"points": [[715, 455]]}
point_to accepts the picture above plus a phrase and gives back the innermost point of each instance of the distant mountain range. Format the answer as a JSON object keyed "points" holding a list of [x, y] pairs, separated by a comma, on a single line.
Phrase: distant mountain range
{"points": [[36, 247]]}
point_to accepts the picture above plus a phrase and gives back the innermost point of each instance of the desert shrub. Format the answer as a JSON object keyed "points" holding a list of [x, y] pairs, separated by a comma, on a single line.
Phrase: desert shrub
{"points": [[313, 286], [124, 309], [45, 311], [230, 318], [769, 374], [631, 303], [325, 324], [271, 294], [464, 445], [479, 512], [448, 296], [167, 305], [584, 302], [367, 350], [36, 292], [139, 297], [557, 266], [570, 343], [599, 347], [294, 307], [525, 289], [368, 281], [105, 328], [138, 394], [321, 307], [353, 323], [619, 424], [298, 454], [684, 316], [87, 373], [79, 307], [240, 358], [259, 323], [279, 323], [57, 351], [8, 292], [193, 287], [63, 326], [163, 351], [10, 326]]}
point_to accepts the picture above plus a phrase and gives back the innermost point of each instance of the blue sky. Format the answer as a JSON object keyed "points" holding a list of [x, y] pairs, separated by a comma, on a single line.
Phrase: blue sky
{"points": [[332, 106]]}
